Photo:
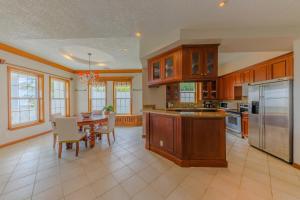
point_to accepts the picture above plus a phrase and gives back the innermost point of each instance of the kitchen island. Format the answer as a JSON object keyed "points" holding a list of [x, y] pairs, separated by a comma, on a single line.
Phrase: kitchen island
{"points": [[190, 139]]}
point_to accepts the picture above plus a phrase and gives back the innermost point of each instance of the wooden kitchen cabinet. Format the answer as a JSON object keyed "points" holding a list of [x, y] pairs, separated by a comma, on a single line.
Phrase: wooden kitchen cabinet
{"points": [[260, 72], [200, 62], [155, 71], [184, 63], [210, 67], [171, 66], [189, 141], [209, 90], [238, 78], [247, 76], [245, 126], [281, 67], [164, 136]]}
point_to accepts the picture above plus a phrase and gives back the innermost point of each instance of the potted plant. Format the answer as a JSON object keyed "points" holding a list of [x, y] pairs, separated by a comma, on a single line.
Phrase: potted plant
{"points": [[108, 109]]}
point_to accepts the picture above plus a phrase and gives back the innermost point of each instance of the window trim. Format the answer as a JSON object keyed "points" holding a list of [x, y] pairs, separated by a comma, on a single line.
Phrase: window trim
{"points": [[90, 95], [131, 95], [41, 93], [67, 102]]}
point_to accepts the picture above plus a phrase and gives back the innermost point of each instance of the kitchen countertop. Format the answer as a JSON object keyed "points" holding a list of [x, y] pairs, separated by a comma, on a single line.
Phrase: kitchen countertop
{"points": [[217, 114]]}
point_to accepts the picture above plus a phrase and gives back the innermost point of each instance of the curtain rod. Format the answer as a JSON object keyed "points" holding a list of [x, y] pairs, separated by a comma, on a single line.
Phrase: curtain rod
{"points": [[34, 70]]}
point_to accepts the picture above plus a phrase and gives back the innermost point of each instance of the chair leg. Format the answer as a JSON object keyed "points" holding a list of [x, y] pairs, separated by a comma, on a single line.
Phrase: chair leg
{"points": [[77, 148], [113, 132], [108, 139], [54, 140], [59, 150]]}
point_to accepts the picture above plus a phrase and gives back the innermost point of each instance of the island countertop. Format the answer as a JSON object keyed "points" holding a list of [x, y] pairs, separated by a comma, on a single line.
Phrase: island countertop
{"points": [[196, 114]]}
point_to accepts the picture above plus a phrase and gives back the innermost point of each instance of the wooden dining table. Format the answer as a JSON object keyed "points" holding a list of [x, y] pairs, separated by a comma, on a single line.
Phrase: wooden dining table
{"points": [[92, 121]]}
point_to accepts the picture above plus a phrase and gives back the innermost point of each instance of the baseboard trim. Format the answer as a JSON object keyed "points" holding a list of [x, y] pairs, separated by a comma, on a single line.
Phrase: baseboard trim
{"points": [[24, 139], [297, 166]]}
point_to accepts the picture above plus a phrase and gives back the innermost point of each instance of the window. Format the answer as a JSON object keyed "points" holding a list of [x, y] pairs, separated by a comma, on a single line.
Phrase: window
{"points": [[26, 98], [59, 96], [97, 96], [188, 92], [122, 97]]}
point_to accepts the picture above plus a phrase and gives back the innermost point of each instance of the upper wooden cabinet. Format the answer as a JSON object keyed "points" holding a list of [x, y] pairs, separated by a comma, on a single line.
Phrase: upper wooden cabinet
{"points": [[278, 67], [281, 67], [185, 63], [260, 73]]}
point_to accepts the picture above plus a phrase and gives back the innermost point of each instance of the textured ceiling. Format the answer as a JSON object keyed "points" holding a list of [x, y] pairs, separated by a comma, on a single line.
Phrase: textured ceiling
{"points": [[44, 27], [104, 50]]}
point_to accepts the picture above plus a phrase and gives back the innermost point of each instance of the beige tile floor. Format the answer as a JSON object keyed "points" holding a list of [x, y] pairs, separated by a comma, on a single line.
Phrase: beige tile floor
{"points": [[31, 170]]}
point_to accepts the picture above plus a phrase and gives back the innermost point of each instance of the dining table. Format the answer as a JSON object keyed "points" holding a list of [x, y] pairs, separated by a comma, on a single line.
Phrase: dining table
{"points": [[92, 122]]}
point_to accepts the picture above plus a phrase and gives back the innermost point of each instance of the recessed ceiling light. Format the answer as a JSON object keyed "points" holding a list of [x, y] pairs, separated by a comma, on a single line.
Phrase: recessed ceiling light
{"points": [[222, 3], [138, 34], [101, 64], [67, 57]]}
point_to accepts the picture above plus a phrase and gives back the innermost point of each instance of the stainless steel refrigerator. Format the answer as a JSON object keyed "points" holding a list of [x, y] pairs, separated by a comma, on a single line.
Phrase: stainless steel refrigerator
{"points": [[271, 117]]}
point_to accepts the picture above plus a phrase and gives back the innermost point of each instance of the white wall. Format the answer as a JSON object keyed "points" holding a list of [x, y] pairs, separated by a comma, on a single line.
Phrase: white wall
{"points": [[153, 95], [296, 101], [81, 93], [230, 62], [6, 135]]}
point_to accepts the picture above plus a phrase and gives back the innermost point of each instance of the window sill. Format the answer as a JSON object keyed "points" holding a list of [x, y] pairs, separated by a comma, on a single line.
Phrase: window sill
{"points": [[21, 126]]}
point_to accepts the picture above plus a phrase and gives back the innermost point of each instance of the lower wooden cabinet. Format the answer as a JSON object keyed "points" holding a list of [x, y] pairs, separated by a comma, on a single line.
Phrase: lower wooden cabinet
{"points": [[188, 141], [245, 122]]}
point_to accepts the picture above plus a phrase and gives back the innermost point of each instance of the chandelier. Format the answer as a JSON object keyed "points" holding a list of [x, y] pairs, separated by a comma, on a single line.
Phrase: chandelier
{"points": [[89, 77]]}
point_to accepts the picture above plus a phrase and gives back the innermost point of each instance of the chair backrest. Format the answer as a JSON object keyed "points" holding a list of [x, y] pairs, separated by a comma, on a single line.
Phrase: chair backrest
{"points": [[66, 126], [52, 119], [111, 121]]}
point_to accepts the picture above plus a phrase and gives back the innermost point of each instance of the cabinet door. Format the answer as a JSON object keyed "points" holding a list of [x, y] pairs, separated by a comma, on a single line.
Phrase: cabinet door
{"points": [[210, 67], [247, 76], [260, 73], [156, 69], [162, 132], [278, 69], [170, 68], [238, 79], [196, 57]]}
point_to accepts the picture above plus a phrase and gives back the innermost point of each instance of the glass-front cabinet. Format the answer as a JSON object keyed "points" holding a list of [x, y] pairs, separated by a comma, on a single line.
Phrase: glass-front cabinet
{"points": [[169, 67], [156, 70], [196, 58], [211, 62], [184, 63]]}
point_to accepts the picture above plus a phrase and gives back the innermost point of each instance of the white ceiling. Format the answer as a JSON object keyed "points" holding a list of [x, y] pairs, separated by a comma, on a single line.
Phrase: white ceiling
{"points": [[108, 26]]}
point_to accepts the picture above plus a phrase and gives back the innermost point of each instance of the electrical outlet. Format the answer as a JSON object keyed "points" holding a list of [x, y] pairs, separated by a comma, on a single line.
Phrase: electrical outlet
{"points": [[161, 143]]}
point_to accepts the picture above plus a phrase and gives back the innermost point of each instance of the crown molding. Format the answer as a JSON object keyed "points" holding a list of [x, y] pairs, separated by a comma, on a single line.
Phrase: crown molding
{"points": [[33, 57]]}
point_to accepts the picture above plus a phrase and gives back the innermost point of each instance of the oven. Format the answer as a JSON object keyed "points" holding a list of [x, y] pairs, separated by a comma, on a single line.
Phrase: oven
{"points": [[234, 122]]}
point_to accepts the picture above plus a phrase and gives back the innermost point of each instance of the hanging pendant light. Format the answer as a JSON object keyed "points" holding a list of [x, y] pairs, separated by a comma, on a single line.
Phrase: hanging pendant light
{"points": [[88, 77]]}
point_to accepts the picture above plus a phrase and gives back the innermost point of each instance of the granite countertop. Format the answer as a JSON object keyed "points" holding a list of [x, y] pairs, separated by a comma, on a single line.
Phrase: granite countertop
{"points": [[203, 114]]}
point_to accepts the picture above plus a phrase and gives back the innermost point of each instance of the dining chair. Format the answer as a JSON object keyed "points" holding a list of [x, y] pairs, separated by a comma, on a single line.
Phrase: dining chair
{"points": [[67, 130], [107, 129], [53, 124]]}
